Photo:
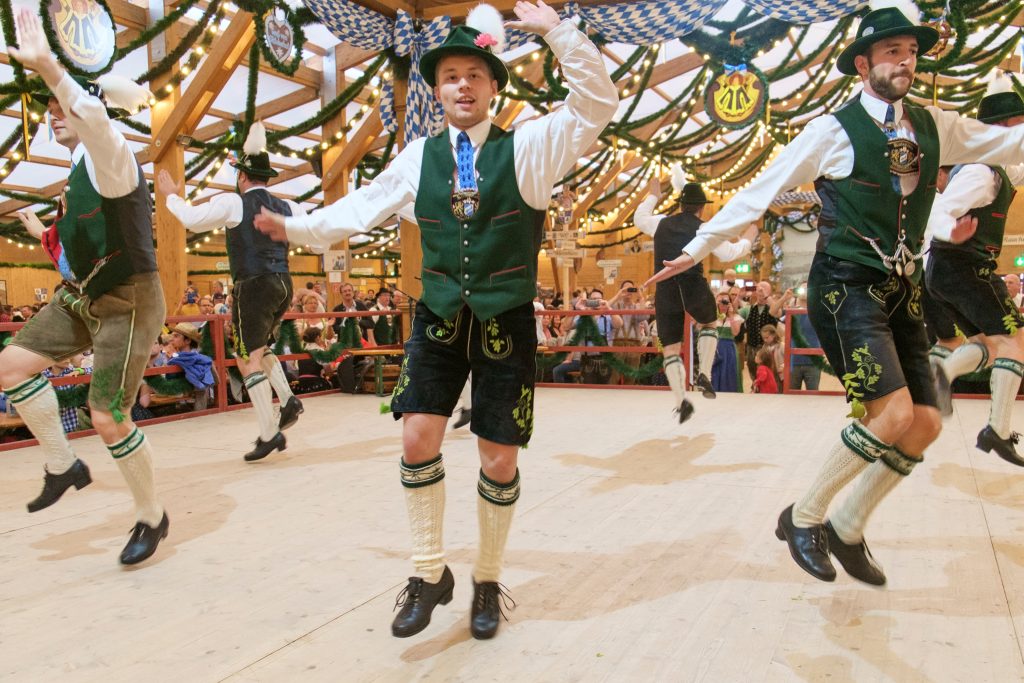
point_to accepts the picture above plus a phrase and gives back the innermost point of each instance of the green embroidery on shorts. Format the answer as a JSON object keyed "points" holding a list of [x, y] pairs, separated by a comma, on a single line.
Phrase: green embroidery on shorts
{"points": [[403, 379], [1011, 322], [523, 412], [445, 331], [914, 304], [239, 345], [865, 377], [831, 297], [884, 290], [496, 345]]}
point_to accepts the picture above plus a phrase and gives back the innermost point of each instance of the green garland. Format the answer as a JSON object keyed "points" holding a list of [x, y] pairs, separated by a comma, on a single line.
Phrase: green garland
{"points": [[42, 265], [170, 385], [74, 396], [174, 55], [156, 29]]}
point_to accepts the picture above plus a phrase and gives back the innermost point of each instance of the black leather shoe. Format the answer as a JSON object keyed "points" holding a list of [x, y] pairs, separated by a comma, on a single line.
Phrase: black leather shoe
{"points": [[290, 412], [144, 540], [856, 559], [265, 448], [809, 547], [684, 411], [465, 414], [704, 384], [418, 600], [54, 485], [486, 612], [1004, 448], [943, 391]]}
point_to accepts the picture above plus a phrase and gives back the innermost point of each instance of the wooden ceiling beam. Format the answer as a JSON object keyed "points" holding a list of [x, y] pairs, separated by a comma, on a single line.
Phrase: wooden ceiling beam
{"points": [[598, 187], [356, 147], [224, 57]]}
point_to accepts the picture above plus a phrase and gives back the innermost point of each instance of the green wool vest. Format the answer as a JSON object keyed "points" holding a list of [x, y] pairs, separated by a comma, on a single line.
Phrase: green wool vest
{"points": [[489, 262], [865, 205], [384, 331], [106, 240], [988, 239]]}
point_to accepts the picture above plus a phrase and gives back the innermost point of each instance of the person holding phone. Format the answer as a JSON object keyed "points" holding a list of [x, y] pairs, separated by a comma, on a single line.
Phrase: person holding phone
{"points": [[687, 292], [633, 329], [726, 372]]}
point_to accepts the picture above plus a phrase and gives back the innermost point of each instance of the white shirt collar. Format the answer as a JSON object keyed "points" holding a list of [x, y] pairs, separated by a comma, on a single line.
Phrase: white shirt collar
{"points": [[77, 153], [257, 187], [876, 108], [477, 134]]}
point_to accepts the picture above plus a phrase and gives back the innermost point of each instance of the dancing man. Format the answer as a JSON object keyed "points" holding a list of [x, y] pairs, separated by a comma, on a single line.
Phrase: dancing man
{"points": [[688, 291], [262, 290], [967, 224], [110, 299], [864, 293], [480, 194]]}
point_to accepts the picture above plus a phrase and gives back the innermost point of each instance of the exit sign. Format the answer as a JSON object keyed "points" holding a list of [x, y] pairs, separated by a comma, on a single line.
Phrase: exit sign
{"points": [[742, 268], [1019, 261]]}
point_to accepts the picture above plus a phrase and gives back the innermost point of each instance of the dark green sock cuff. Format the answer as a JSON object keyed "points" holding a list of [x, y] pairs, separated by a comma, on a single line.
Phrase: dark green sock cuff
{"points": [[499, 494], [1016, 367], [899, 462], [861, 441], [424, 474]]}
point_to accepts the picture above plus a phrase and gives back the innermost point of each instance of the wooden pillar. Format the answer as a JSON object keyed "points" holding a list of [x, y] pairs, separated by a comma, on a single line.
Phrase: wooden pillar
{"points": [[171, 259], [336, 187]]}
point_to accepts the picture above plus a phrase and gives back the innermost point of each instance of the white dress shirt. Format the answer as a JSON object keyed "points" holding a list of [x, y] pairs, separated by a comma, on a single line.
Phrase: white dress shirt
{"points": [[823, 149], [973, 186], [545, 149], [222, 211], [108, 158], [647, 222]]}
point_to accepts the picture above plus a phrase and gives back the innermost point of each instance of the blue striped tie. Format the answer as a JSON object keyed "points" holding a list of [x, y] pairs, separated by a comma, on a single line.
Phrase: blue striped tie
{"points": [[890, 134], [464, 156]]}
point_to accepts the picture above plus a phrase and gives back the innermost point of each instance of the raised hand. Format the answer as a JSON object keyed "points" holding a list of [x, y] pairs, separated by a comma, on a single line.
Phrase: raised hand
{"points": [[534, 18], [166, 186], [31, 223], [271, 224], [654, 187], [33, 51], [672, 268]]}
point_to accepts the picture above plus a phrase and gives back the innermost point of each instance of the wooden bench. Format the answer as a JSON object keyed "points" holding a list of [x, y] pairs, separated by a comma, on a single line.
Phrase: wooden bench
{"points": [[384, 375]]}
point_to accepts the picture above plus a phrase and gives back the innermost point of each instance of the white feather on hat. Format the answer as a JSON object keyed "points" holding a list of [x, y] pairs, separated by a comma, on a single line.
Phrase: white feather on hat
{"points": [[256, 140], [1000, 83], [908, 7], [678, 178], [487, 19], [123, 93]]}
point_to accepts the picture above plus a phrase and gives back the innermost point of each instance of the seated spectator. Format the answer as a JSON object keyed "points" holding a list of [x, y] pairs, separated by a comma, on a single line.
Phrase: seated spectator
{"points": [[69, 415], [313, 375], [384, 330], [218, 294], [357, 327], [311, 304]]}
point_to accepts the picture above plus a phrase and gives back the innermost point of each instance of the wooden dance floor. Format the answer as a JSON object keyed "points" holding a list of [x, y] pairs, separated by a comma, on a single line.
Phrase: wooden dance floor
{"points": [[642, 550]]}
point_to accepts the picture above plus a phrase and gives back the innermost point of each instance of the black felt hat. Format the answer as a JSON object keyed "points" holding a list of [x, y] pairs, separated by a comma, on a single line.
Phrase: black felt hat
{"points": [[884, 23], [464, 40]]}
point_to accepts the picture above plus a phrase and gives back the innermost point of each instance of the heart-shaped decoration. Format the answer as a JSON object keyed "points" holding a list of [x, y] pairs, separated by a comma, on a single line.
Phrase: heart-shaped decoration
{"points": [[279, 37]]}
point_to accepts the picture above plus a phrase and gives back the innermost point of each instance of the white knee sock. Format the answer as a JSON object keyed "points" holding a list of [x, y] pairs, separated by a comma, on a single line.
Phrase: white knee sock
{"points": [[424, 499], [36, 403], [676, 374], [263, 401], [966, 359], [1005, 382], [707, 343], [857, 448], [135, 460], [878, 481], [495, 508], [271, 367]]}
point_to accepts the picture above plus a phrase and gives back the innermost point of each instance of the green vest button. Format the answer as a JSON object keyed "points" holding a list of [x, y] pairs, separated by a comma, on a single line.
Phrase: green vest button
{"points": [[467, 292]]}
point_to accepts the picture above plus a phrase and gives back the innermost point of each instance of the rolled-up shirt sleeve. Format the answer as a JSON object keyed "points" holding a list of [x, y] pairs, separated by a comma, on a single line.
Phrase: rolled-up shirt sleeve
{"points": [[111, 164], [973, 186], [365, 207]]}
